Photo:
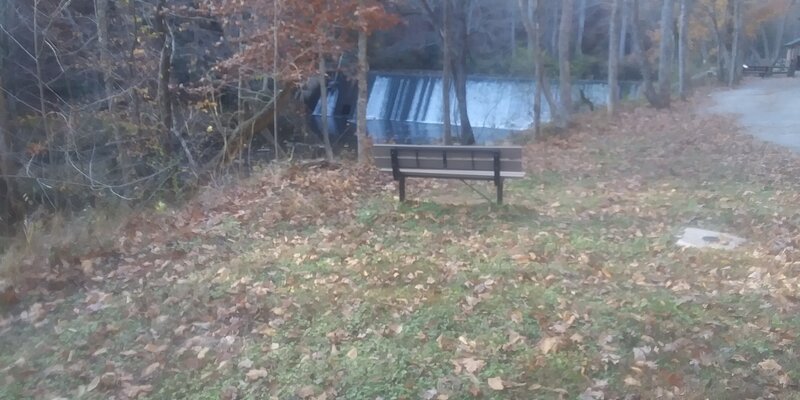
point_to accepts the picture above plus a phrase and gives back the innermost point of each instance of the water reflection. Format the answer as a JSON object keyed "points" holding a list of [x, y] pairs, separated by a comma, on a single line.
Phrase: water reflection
{"points": [[342, 132]]}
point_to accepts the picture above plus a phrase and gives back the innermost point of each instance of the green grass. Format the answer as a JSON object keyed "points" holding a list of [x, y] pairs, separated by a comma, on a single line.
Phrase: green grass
{"points": [[388, 300]]}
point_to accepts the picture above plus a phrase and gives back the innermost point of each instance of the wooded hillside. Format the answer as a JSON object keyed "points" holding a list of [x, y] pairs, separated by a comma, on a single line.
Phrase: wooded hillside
{"points": [[118, 100]]}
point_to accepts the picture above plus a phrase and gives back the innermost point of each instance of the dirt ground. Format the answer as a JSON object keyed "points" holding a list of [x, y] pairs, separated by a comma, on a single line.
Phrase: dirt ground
{"points": [[766, 107]]}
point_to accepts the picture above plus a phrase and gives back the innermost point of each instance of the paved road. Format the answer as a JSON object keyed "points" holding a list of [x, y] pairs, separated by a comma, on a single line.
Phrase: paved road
{"points": [[769, 108]]}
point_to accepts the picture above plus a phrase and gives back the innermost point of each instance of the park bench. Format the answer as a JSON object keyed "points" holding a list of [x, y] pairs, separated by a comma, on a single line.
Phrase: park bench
{"points": [[759, 70], [486, 163]]}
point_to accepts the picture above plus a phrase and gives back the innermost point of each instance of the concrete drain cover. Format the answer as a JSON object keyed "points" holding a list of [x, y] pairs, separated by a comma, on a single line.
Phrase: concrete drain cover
{"points": [[701, 239]]}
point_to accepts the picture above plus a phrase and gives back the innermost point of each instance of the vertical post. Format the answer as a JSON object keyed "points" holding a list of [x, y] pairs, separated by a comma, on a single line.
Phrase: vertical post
{"points": [[500, 191], [398, 176], [498, 180]]}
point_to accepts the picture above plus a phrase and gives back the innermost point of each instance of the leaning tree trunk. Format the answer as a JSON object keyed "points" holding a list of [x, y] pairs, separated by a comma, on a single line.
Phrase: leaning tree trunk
{"points": [[683, 37], [363, 92], [447, 72], [237, 139], [613, 58], [665, 52], [565, 75]]}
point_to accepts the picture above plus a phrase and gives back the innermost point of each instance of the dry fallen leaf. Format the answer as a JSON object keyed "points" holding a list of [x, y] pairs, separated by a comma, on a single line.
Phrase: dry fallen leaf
{"points": [[202, 353], [93, 384], [472, 365], [352, 354], [109, 380], [134, 391], [631, 381], [549, 344], [496, 383], [153, 348], [770, 365], [256, 374], [305, 392], [150, 369]]}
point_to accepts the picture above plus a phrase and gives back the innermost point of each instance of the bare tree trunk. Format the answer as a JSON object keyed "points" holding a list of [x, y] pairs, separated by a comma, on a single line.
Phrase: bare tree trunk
{"points": [[650, 93], [164, 75], [781, 31], [582, 4], [6, 165], [727, 35], [528, 16], [533, 23], [565, 76], [665, 51], [555, 31], [623, 32], [538, 65], [363, 92], [137, 116], [323, 105], [513, 30], [239, 137], [276, 87], [101, 12], [733, 72], [722, 51], [613, 58], [447, 71], [683, 35], [704, 52], [37, 54], [765, 47], [460, 72]]}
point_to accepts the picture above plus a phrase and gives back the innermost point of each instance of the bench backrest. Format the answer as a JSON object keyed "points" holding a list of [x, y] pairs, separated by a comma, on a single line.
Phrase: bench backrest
{"points": [[461, 158]]}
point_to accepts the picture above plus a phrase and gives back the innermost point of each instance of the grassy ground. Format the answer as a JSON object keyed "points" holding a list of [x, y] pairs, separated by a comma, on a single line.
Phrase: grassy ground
{"points": [[318, 285]]}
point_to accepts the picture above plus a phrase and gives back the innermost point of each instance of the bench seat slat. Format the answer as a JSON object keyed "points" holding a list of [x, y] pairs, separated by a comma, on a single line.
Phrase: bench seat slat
{"points": [[455, 174], [479, 164], [383, 150]]}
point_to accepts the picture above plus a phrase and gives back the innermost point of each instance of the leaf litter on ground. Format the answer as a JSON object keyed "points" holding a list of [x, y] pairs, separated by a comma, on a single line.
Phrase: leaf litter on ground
{"points": [[315, 283]]}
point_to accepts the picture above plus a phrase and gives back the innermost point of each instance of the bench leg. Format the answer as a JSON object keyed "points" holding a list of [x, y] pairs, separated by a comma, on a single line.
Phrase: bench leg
{"points": [[500, 191], [402, 182]]}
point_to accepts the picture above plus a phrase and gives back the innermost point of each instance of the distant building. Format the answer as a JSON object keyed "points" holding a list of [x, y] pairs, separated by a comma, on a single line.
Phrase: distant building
{"points": [[793, 55]]}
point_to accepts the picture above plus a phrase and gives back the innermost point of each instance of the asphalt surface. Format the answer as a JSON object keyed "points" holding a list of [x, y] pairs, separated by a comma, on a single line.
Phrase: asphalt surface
{"points": [[769, 108]]}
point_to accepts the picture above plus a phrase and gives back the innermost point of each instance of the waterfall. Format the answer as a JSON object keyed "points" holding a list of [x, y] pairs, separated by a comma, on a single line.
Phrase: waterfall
{"points": [[494, 104], [333, 98]]}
